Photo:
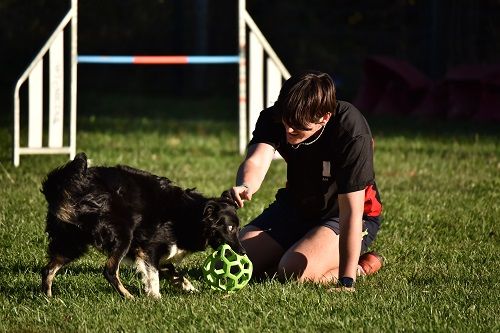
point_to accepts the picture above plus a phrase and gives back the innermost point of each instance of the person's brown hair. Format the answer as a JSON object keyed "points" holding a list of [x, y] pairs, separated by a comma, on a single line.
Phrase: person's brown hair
{"points": [[305, 98]]}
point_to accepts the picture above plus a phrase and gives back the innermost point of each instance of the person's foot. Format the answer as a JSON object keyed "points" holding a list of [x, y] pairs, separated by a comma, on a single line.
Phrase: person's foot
{"points": [[369, 263]]}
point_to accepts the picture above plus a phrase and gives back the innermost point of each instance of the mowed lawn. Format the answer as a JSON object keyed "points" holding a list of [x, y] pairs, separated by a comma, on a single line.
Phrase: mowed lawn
{"points": [[440, 186]]}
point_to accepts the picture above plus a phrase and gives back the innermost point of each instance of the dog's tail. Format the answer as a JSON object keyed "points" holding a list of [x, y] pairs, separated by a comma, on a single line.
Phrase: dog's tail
{"points": [[63, 185]]}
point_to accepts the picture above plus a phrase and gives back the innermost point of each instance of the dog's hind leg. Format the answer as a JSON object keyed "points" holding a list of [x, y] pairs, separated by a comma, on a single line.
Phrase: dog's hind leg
{"points": [[112, 267]]}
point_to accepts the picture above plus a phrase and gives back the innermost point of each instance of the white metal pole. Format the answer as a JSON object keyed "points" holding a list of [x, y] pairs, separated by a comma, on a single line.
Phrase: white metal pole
{"points": [[16, 125], [56, 92], [74, 56], [35, 106], [242, 36]]}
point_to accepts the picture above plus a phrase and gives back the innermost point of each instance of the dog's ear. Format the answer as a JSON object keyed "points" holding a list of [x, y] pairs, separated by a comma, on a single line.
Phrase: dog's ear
{"points": [[209, 210], [79, 163], [228, 198]]}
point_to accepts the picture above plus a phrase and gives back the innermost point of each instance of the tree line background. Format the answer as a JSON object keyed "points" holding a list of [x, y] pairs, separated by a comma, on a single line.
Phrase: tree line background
{"points": [[334, 36]]}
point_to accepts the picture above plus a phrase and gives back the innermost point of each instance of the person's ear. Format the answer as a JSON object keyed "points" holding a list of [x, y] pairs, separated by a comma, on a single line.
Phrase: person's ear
{"points": [[325, 118]]}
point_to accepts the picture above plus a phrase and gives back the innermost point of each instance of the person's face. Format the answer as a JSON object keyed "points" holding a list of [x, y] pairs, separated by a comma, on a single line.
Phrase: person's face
{"points": [[295, 136]]}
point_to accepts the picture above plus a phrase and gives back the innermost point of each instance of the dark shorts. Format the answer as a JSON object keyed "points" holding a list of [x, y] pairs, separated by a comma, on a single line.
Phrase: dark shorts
{"points": [[284, 224]]}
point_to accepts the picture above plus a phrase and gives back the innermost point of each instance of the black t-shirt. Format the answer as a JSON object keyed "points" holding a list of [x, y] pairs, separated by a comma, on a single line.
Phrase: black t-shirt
{"points": [[339, 161]]}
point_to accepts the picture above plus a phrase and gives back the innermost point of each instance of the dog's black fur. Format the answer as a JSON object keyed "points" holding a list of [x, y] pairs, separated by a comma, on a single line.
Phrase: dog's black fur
{"points": [[126, 212]]}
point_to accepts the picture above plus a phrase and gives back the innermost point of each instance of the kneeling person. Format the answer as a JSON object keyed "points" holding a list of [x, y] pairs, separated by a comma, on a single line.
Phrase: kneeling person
{"points": [[329, 211]]}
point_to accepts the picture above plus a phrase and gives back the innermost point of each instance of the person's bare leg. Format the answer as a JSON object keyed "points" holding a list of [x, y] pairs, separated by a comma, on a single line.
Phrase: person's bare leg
{"points": [[313, 258], [264, 252]]}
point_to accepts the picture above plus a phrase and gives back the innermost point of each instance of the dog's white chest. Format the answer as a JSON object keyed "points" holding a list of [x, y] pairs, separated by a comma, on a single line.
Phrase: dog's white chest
{"points": [[175, 254]]}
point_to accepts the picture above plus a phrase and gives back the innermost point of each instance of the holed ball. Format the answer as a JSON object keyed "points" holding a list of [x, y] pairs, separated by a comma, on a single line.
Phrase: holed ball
{"points": [[227, 270]]}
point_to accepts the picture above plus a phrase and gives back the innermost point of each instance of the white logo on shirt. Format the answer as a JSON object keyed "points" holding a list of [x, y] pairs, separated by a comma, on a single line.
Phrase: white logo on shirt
{"points": [[326, 170]]}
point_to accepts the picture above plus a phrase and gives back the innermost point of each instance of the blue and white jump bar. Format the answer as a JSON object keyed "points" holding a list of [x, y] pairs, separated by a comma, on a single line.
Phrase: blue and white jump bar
{"points": [[158, 60]]}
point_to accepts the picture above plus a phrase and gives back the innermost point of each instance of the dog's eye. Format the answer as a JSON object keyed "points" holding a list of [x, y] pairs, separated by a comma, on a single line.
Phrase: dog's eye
{"points": [[230, 228]]}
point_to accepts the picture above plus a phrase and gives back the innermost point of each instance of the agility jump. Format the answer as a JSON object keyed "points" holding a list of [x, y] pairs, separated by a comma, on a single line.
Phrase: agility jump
{"points": [[258, 83]]}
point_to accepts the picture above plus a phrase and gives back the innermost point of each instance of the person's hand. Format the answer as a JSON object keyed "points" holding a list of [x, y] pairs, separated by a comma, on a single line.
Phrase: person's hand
{"points": [[240, 194]]}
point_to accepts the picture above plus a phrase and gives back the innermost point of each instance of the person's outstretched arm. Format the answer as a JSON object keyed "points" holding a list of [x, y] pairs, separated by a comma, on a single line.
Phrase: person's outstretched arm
{"points": [[252, 171]]}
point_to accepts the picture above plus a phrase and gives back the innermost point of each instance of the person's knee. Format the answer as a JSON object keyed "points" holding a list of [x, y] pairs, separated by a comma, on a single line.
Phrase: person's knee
{"points": [[292, 266]]}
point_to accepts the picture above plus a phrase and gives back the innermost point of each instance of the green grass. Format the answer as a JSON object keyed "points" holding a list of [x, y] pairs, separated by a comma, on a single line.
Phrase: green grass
{"points": [[440, 188]]}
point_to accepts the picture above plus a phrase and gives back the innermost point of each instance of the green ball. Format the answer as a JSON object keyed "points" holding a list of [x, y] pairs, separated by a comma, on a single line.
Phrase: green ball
{"points": [[226, 270]]}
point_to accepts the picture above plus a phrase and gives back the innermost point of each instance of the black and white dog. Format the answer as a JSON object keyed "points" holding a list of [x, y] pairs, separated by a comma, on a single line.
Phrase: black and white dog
{"points": [[129, 213]]}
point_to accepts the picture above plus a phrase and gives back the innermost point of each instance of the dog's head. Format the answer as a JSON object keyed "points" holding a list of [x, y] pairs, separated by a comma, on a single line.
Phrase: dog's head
{"points": [[222, 222], [63, 186]]}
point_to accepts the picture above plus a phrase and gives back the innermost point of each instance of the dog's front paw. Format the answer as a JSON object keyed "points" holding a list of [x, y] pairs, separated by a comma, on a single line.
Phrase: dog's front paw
{"points": [[152, 289], [187, 286], [154, 295]]}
